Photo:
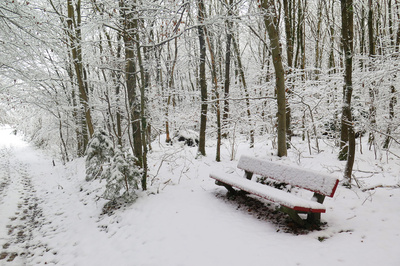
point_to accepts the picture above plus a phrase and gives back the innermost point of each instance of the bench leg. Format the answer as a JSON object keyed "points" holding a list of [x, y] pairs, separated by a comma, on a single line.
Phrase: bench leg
{"points": [[248, 175], [315, 218], [228, 187], [294, 215]]}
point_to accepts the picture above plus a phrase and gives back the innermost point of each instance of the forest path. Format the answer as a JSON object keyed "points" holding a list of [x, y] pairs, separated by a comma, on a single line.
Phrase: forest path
{"points": [[21, 214], [47, 216]]}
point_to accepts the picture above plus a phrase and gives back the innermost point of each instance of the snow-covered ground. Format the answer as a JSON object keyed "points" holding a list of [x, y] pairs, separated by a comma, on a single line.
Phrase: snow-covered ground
{"points": [[49, 215]]}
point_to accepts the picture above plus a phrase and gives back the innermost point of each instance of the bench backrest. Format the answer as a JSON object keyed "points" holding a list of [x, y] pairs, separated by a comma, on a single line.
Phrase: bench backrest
{"points": [[320, 183]]}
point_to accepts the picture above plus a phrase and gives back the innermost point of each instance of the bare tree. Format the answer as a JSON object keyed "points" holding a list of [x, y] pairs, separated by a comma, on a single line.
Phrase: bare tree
{"points": [[129, 37], [229, 25], [202, 78], [75, 45], [347, 143], [271, 23]]}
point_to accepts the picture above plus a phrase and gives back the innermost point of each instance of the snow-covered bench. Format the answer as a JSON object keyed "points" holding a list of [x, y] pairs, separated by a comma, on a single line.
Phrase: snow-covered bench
{"points": [[321, 184]]}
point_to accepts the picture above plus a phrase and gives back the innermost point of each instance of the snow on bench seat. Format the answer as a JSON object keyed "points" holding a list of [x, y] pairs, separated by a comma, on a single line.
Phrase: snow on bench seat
{"points": [[272, 194], [314, 181]]}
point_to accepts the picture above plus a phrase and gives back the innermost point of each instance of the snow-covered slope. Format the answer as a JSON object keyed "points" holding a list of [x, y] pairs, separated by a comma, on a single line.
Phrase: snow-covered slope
{"points": [[184, 219]]}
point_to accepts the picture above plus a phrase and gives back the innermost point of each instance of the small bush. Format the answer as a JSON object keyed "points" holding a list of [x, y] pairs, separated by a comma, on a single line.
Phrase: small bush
{"points": [[122, 177], [98, 154], [114, 165]]}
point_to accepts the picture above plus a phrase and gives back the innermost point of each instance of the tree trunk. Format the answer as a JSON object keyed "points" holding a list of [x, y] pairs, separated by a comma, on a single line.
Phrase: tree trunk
{"points": [[115, 126], [393, 99], [116, 78], [331, 63], [246, 91], [392, 103], [229, 24], [216, 97], [372, 91], [75, 44], [398, 28], [76, 114], [130, 78], [347, 123], [318, 49], [300, 57], [270, 20], [143, 118], [202, 78], [289, 31], [171, 83]]}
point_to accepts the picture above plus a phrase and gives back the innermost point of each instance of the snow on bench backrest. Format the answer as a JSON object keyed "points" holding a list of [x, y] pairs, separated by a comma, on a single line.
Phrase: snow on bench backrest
{"points": [[317, 182]]}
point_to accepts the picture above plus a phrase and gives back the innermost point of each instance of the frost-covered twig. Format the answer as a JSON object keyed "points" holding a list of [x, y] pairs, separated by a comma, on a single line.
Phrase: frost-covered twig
{"points": [[298, 151], [387, 135], [393, 154], [380, 186], [163, 159]]}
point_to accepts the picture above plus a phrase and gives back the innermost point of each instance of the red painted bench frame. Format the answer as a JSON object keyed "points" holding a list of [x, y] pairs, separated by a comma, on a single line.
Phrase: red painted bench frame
{"points": [[256, 166]]}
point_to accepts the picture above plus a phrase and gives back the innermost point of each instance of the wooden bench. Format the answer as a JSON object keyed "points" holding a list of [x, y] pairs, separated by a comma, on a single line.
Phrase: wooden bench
{"points": [[321, 184]]}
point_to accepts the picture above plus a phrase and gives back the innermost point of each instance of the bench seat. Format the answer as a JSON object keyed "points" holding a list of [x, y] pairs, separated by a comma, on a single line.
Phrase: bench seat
{"points": [[304, 178], [272, 194]]}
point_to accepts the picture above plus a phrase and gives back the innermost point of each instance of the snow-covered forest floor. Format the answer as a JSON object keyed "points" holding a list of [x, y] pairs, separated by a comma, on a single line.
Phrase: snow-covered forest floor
{"points": [[50, 215]]}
